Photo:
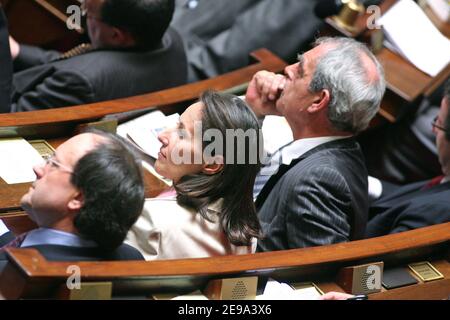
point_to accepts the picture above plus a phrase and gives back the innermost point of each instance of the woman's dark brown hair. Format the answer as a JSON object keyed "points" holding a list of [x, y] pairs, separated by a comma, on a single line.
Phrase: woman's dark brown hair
{"points": [[234, 183]]}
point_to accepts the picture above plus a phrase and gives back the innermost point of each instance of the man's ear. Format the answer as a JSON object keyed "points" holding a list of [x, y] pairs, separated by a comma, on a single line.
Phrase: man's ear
{"points": [[321, 100], [122, 38], [214, 166], [77, 202]]}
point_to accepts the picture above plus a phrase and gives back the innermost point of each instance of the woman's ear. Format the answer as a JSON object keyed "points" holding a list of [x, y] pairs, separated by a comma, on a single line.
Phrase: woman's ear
{"points": [[213, 166], [77, 202], [321, 100]]}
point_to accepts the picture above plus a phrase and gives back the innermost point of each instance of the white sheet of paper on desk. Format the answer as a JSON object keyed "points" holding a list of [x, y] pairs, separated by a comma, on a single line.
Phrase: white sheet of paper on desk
{"points": [[143, 131], [17, 160], [307, 293], [196, 295], [3, 229], [411, 33], [275, 290]]}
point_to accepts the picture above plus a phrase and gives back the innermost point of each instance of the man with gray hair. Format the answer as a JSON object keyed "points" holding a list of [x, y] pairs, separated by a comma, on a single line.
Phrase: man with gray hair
{"points": [[315, 190]]}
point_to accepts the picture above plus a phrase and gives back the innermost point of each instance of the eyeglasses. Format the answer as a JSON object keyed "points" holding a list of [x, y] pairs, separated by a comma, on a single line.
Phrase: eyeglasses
{"points": [[50, 161], [438, 126]]}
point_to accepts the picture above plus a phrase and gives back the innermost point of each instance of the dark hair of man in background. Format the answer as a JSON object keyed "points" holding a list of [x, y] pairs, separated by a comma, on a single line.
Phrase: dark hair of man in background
{"points": [[146, 20]]}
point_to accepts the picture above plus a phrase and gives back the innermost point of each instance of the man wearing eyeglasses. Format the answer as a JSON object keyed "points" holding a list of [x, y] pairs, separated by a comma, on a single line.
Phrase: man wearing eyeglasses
{"points": [[84, 200], [131, 48], [415, 205]]}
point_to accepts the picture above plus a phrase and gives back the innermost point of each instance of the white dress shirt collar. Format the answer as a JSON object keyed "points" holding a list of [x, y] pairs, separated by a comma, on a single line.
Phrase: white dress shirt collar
{"points": [[297, 148]]}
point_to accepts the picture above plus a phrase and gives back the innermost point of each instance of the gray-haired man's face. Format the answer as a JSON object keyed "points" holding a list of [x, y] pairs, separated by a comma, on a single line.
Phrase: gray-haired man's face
{"points": [[296, 96]]}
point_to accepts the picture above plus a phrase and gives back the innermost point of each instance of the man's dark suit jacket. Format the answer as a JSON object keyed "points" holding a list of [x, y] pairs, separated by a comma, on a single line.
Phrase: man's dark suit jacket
{"points": [[321, 199], [95, 76], [220, 34], [409, 207], [5, 65]]}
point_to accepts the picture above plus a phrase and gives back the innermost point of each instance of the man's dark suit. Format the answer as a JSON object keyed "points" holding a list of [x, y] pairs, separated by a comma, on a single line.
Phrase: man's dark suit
{"points": [[409, 207], [220, 34], [95, 76], [6, 66], [321, 199]]}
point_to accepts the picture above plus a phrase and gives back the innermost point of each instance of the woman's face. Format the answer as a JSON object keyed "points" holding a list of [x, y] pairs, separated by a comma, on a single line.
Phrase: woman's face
{"points": [[181, 152]]}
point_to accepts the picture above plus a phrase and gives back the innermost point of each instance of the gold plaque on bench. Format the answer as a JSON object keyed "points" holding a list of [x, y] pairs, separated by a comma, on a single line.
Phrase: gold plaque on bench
{"points": [[232, 289], [43, 148], [92, 291], [425, 271]]}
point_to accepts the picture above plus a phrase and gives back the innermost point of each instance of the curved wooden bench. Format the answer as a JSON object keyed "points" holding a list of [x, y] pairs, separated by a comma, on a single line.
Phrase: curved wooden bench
{"points": [[30, 275]]}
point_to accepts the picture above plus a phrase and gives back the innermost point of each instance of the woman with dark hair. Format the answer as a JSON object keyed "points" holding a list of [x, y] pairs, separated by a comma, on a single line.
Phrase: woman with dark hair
{"points": [[212, 157]]}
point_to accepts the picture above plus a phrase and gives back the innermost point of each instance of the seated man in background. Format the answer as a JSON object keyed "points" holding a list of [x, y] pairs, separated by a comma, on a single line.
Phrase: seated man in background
{"points": [[84, 201], [405, 151], [6, 65], [314, 191], [219, 34], [132, 52], [417, 204]]}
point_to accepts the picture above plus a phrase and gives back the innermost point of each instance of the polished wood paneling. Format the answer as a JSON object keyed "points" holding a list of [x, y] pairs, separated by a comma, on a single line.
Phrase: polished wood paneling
{"points": [[318, 264], [42, 23]]}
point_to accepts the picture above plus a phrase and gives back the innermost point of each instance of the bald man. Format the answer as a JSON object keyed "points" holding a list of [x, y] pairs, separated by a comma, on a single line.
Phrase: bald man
{"points": [[84, 200]]}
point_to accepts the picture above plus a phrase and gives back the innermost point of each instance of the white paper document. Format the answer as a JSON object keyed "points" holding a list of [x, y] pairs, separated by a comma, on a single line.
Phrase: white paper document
{"points": [[275, 290], [410, 33], [17, 160], [143, 131], [196, 295], [3, 228]]}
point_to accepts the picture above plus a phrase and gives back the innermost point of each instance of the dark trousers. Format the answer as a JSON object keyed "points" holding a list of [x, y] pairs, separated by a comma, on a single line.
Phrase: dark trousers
{"points": [[5, 66]]}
